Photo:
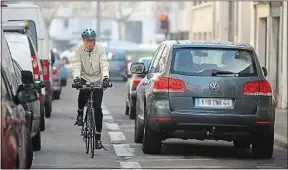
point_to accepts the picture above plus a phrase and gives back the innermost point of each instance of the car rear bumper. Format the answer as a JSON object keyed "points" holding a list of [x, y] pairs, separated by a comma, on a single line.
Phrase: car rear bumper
{"points": [[207, 126]]}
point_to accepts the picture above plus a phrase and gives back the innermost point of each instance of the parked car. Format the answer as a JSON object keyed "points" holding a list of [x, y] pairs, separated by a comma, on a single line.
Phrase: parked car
{"points": [[118, 64], [22, 60], [39, 34], [21, 27], [131, 86], [205, 90], [16, 143], [57, 87]]}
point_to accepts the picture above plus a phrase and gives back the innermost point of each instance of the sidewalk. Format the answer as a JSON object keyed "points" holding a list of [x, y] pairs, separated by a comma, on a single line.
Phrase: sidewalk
{"points": [[281, 128]]}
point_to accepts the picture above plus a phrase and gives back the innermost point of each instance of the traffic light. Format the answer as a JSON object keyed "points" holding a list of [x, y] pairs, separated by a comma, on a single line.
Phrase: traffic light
{"points": [[164, 22]]}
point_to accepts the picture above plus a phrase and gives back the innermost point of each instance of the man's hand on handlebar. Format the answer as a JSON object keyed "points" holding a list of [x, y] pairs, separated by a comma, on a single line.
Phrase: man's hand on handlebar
{"points": [[105, 82], [77, 82]]}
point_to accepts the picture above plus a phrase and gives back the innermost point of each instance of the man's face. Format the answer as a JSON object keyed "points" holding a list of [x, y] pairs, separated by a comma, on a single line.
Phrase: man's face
{"points": [[89, 44]]}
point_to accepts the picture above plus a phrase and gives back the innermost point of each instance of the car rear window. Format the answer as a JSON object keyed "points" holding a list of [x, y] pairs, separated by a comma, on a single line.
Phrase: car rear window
{"points": [[116, 56], [207, 62]]}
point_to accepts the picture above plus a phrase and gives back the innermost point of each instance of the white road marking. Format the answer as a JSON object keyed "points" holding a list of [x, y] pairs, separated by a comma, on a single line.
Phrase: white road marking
{"points": [[108, 117], [123, 150], [112, 126], [116, 136], [105, 112], [129, 165]]}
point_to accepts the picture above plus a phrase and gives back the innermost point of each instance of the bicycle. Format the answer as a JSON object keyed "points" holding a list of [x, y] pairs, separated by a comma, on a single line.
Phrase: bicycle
{"points": [[89, 127]]}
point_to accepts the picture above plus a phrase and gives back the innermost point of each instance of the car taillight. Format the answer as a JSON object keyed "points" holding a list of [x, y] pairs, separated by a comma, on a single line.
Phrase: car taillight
{"points": [[55, 71], [262, 88], [136, 81], [166, 84], [45, 67], [36, 69]]}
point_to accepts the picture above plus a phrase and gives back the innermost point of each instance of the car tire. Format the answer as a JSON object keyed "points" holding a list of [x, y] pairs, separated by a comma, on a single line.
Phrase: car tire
{"points": [[242, 144], [132, 110], [29, 151], [138, 131], [48, 110], [263, 145], [126, 109], [151, 141], [42, 123], [36, 141], [56, 95]]}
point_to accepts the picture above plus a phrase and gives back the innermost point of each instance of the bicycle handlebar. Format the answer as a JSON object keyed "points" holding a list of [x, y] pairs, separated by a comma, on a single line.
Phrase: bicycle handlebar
{"points": [[91, 86]]}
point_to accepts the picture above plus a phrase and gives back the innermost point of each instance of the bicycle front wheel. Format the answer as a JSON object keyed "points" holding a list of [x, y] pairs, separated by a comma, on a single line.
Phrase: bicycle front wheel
{"points": [[87, 134], [92, 139]]}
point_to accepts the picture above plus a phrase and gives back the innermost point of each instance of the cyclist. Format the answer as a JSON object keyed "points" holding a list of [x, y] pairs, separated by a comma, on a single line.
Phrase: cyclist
{"points": [[90, 64]]}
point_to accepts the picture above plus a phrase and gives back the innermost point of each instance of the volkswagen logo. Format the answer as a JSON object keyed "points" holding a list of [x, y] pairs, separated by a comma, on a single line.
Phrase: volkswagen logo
{"points": [[214, 86]]}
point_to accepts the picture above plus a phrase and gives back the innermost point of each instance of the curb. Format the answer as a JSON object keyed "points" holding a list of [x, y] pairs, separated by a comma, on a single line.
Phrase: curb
{"points": [[280, 141]]}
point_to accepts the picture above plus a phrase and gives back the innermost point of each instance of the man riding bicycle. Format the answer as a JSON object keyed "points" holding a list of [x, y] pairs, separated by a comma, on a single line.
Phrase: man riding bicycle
{"points": [[90, 64]]}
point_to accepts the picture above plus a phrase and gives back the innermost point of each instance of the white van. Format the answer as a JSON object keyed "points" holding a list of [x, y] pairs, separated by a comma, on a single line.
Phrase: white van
{"points": [[39, 34]]}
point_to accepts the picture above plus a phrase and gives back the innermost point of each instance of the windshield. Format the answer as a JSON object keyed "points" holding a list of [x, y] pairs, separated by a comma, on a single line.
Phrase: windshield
{"points": [[204, 62], [20, 51], [116, 56]]}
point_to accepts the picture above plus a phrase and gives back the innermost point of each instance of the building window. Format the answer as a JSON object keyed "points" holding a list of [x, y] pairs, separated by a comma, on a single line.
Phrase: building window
{"points": [[200, 35], [205, 36], [210, 36]]}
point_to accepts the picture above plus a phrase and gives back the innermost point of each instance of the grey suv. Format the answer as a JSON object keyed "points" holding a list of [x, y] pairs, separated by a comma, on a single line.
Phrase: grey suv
{"points": [[205, 90]]}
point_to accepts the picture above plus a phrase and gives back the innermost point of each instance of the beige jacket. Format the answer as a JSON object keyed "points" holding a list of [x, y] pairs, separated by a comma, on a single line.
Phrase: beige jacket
{"points": [[91, 66]]}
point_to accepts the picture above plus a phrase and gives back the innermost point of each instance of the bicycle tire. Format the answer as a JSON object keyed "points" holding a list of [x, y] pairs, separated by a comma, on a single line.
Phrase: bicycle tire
{"points": [[87, 130], [93, 126]]}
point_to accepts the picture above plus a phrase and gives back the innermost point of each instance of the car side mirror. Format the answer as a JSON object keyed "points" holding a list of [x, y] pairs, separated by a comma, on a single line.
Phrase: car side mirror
{"points": [[39, 84], [27, 77], [27, 95], [265, 71], [137, 68]]}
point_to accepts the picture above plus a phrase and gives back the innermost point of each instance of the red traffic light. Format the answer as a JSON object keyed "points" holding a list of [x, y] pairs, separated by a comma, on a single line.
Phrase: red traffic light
{"points": [[163, 17]]}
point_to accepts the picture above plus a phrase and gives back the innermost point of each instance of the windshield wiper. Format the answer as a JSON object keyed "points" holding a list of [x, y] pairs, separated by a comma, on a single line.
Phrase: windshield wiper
{"points": [[220, 72]]}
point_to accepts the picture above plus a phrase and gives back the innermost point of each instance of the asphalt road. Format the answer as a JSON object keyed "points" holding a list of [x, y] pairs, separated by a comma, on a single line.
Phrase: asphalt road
{"points": [[62, 146]]}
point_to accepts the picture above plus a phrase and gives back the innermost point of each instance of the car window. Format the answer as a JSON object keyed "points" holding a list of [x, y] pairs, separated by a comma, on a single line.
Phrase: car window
{"points": [[7, 65], [33, 33], [161, 64], [154, 57], [116, 56], [203, 62], [5, 90], [157, 58], [20, 51], [17, 71]]}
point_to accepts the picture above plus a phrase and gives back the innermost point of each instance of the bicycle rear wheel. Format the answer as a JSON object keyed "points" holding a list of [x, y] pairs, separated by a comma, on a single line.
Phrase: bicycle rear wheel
{"points": [[92, 139]]}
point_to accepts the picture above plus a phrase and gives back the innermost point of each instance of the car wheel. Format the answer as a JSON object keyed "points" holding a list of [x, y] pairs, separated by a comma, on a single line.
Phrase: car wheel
{"points": [[36, 141], [242, 144], [263, 145], [29, 151], [56, 95], [138, 131], [132, 110], [42, 123], [151, 140], [48, 110], [126, 109]]}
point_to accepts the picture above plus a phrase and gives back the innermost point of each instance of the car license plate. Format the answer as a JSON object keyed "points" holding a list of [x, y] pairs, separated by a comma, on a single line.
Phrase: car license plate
{"points": [[213, 103]]}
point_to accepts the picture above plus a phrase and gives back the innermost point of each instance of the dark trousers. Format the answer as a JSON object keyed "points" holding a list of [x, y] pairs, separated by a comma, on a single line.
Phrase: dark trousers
{"points": [[83, 97]]}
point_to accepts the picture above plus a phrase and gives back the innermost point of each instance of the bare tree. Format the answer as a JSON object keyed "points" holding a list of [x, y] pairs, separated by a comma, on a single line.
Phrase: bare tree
{"points": [[120, 12], [49, 10]]}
